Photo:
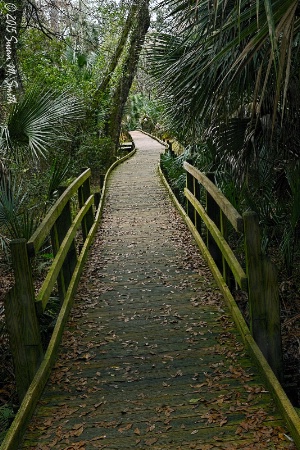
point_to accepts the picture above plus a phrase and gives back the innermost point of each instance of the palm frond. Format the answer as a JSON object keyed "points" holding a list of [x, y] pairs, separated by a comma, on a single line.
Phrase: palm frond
{"points": [[208, 65], [16, 220], [38, 122], [58, 173]]}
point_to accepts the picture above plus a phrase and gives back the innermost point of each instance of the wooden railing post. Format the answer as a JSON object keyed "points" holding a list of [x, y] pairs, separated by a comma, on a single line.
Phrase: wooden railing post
{"points": [[21, 319], [263, 293], [197, 194], [101, 181], [190, 187], [227, 273], [213, 211], [97, 197], [170, 149], [84, 193], [58, 233]]}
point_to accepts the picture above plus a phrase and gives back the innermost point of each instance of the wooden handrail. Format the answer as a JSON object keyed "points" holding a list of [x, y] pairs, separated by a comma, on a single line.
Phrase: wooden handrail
{"points": [[259, 280], [231, 213], [237, 270], [38, 377], [21, 302], [51, 278], [39, 236]]}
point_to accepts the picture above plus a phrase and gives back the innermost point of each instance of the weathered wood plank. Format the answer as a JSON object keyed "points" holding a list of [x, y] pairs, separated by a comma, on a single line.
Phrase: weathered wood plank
{"points": [[286, 409], [213, 211], [197, 194], [103, 384], [58, 233], [21, 320], [190, 188], [16, 431], [264, 303], [227, 273], [84, 193]]}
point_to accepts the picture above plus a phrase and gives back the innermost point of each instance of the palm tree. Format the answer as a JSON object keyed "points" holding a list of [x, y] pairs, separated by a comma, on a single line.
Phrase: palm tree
{"points": [[229, 72], [221, 56], [37, 122], [33, 126]]}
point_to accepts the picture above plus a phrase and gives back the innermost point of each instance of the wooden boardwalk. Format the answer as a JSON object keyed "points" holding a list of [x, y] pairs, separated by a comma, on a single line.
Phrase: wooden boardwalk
{"points": [[150, 358]]}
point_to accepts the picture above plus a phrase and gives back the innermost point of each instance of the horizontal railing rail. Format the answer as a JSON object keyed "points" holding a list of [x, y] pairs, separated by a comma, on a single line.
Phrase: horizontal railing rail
{"points": [[237, 270], [39, 236], [23, 306], [210, 213], [126, 146]]}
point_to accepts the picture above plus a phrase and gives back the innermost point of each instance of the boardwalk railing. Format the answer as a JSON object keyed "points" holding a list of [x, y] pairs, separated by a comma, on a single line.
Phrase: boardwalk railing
{"points": [[209, 223], [257, 277], [72, 212], [126, 147], [23, 308]]}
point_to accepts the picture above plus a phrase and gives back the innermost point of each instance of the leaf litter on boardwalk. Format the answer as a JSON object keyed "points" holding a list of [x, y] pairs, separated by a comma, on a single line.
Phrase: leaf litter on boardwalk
{"points": [[79, 353]]}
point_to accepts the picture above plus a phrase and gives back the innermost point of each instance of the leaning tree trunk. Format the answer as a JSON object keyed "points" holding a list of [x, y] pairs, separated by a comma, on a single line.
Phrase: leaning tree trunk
{"points": [[101, 89], [122, 89]]}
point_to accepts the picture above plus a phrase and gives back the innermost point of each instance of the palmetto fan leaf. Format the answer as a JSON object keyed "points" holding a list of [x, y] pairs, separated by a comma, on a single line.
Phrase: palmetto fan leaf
{"points": [[38, 121], [230, 73], [15, 219], [58, 173], [221, 54]]}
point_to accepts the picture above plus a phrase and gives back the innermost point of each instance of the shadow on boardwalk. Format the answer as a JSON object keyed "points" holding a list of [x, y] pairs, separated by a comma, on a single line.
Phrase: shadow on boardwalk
{"points": [[150, 358]]}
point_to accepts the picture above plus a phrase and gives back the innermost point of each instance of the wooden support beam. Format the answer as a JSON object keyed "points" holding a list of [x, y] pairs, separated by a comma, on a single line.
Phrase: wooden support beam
{"points": [[84, 193], [227, 273], [61, 258], [42, 232], [58, 233], [263, 296], [233, 216], [197, 194], [190, 187], [21, 319], [213, 212], [219, 240]]}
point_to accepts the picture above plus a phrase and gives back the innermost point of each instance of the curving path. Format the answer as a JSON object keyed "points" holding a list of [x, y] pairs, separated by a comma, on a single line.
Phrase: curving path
{"points": [[150, 358]]}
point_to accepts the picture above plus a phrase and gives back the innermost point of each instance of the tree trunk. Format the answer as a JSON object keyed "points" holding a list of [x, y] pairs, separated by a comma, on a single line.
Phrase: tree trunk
{"points": [[116, 57], [122, 89]]}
